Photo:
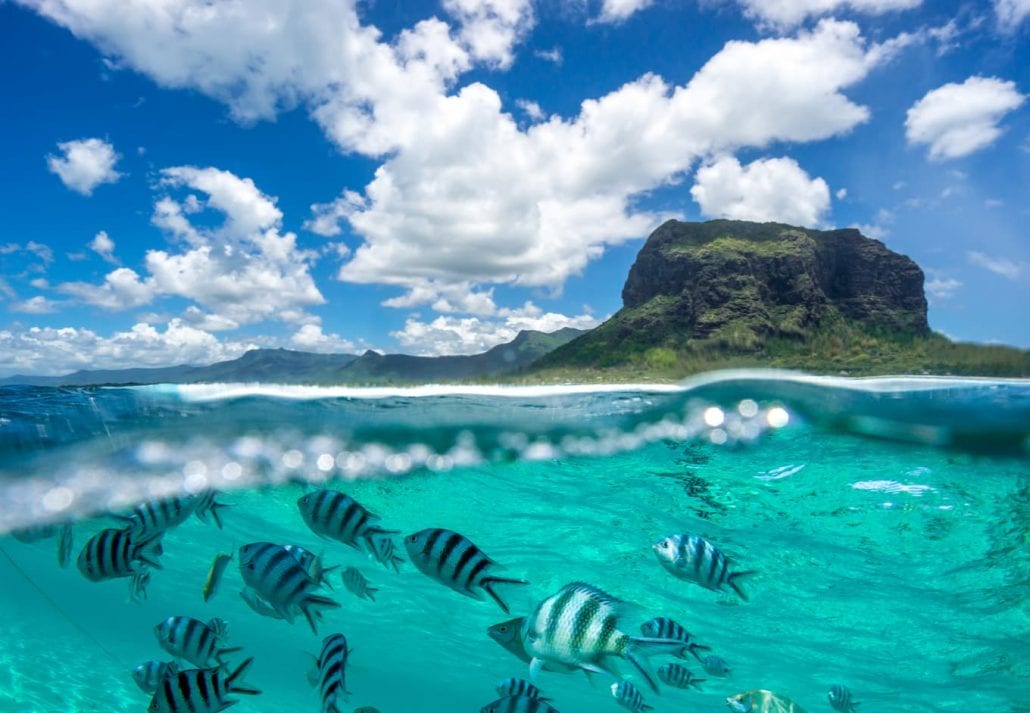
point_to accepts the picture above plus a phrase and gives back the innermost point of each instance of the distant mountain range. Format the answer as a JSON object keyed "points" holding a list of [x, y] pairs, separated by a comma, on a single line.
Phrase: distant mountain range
{"points": [[285, 366]]}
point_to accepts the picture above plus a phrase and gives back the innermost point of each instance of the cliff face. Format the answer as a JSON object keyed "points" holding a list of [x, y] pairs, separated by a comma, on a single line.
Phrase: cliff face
{"points": [[734, 285]]}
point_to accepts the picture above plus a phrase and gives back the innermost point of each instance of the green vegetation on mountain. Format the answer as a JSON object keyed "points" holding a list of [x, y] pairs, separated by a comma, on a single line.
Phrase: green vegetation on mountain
{"points": [[722, 294]]}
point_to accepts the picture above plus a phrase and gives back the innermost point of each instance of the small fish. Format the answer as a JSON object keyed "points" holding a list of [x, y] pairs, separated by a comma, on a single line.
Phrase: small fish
{"points": [[518, 687], [64, 545], [33, 533], [191, 639], [159, 516], [115, 553], [662, 627], [337, 516], [629, 696], [214, 575], [384, 550], [716, 666], [148, 676], [678, 676], [840, 699], [332, 670], [312, 564], [200, 690], [207, 505], [578, 626], [356, 583], [697, 560], [138, 587], [454, 561], [275, 575], [518, 704]]}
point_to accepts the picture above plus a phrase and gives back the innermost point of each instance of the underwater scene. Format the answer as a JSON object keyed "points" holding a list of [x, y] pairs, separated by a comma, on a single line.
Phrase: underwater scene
{"points": [[745, 542]]}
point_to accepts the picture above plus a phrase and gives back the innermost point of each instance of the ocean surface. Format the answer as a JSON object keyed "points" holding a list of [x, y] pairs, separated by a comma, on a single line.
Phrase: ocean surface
{"points": [[887, 522]]}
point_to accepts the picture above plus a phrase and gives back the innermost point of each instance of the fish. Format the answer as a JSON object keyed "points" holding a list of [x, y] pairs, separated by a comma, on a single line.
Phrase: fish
{"points": [[149, 675], [207, 505], [191, 639], [33, 533], [159, 516], [509, 635], [697, 560], [678, 676], [716, 666], [113, 553], [65, 543], [662, 627], [138, 587], [384, 550], [278, 578], [840, 699], [518, 704], [214, 575], [762, 701], [518, 687], [312, 564], [356, 583], [200, 690], [332, 670], [578, 626], [453, 560], [629, 696], [337, 516]]}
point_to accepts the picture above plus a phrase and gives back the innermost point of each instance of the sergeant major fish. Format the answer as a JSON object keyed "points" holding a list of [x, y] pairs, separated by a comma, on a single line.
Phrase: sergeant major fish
{"points": [[840, 699], [158, 516], [678, 676], [276, 576], [509, 635], [662, 627], [629, 696], [312, 564], [454, 561], [697, 560], [716, 666], [200, 690], [115, 553], [518, 687], [518, 704], [149, 675], [578, 626], [356, 583], [337, 516], [332, 670], [191, 639]]}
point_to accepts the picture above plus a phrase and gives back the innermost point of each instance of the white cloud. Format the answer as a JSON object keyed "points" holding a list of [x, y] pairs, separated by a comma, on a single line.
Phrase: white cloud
{"points": [[86, 164], [27, 258], [553, 55], [1011, 13], [121, 289], [472, 335], [942, 287], [6, 290], [998, 265], [957, 119], [35, 305], [310, 338], [531, 108], [325, 217], [841, 193], [103, 246], [491, 28], [773, 189], [872, 230], [788, 13], [46, 350], [615, 11]]}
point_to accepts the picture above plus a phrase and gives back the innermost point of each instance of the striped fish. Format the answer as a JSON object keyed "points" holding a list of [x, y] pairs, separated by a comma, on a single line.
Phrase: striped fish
{"points": [[312, 564], [519, 687], [332, 672], [384, 550], [337, 516], [578, 626], [278, 578], [518, 704], [629, 696], [454, 561], [214, 575], [697, 560], [207, 505], [65, 543], [678, 676], [356, 583], [115, 553], [716, 666], [509, 635], [200, 690], [662, 627], [191, 639], [158, 516], [149, 675], [840, 699]]}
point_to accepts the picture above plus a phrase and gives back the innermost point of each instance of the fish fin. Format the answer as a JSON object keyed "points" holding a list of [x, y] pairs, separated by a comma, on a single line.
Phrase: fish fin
{"points": [[535, 667], [731, 580], [694, 648], [696, 682], [222, 652], [310, 614], [646, 646], [371, 592], [631, 656], [312, 673], [487, 585], [230, 680], [324, 579], [148, 549]]}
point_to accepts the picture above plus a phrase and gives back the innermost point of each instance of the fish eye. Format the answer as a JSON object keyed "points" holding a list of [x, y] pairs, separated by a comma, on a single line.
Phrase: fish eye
{"points": [[502, 629]]}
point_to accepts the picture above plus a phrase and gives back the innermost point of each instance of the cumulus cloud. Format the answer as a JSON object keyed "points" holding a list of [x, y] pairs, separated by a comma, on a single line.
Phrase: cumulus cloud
{"points": [[472, 335], [955, 120], [121, 289], [491, 28], [531, 108], [773, 189], [1011, 13], [311, 338], [788, 13], [85, 164], [1003, 266], [46, 350], [103, 246], [35, 305], [615, 11]]}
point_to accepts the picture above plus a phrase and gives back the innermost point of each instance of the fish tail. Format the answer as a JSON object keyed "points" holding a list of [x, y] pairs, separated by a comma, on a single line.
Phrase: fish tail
{"points": [[313, 601], [325, 580], [149, 549], [395, 562], [731, 580], [215, 507], [488, 583], [223, 652], [230, 680]]}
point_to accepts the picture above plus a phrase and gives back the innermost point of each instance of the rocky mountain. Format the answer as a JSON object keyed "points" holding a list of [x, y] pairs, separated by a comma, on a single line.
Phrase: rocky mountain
{"points": [[292, 367]]}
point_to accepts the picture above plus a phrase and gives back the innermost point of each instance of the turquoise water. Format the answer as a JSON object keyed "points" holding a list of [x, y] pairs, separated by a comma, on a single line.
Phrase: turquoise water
{"points": [[888, 523]]}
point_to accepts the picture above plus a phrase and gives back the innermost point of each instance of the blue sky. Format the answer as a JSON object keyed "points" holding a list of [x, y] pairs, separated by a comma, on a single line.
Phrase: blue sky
{"points": [[185, 180]]}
